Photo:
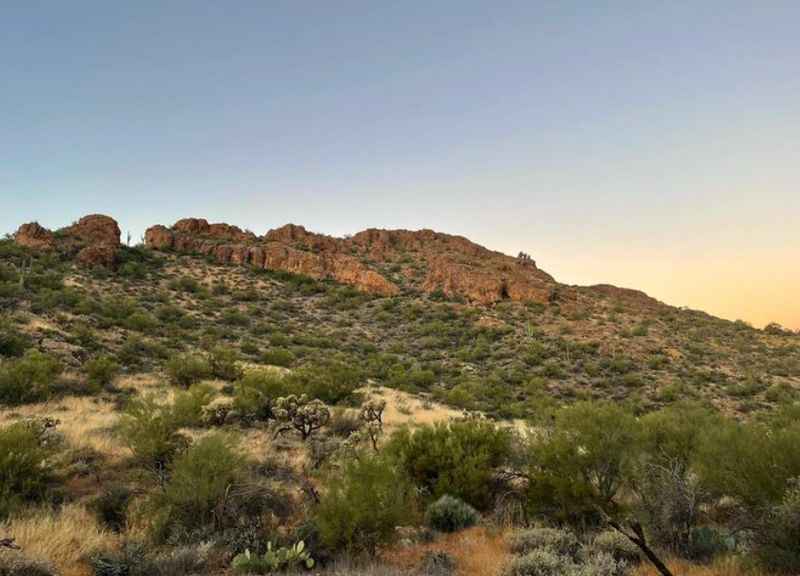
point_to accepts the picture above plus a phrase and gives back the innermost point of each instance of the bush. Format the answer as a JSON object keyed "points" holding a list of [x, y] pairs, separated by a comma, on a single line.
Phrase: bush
{"points": [[582, 463], [332, 382], [777, 538], [278, 357], [24, 474], [450, 514], [101, 371], [547, 562], [111, 507], [540, 562], [362, 505], [257, 392], [223, 362], [12, 342], [200, 481], [560, 541], [189, 405], [456, 458], [28, 379], [151, 433], [187, 369], [618, 546]]}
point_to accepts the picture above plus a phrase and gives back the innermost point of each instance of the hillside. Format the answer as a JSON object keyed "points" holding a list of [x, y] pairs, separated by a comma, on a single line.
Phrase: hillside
{"points": [[422, 312], [392, 404]]}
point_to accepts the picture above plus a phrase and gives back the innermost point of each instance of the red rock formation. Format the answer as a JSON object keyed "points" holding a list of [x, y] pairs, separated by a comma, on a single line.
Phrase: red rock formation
{"points": [[93, 240], [35, 236], [452, 264]]}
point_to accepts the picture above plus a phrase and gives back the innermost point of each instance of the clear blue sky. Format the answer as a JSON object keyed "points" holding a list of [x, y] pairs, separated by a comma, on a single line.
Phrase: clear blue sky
{"points": [[649, 144]]}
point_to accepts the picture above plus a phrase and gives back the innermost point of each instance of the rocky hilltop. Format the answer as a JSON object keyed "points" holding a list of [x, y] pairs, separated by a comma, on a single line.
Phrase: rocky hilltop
{"points": [[93, 240], [379, 261], [386, 262]]}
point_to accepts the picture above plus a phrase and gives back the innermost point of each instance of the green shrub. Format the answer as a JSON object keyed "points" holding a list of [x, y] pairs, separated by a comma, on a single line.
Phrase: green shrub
{"points": [[223, 362], [450, 514], [777, 538], [101, 371], [12, 342], [331, 382], [257, 392], [751, 462], [28, 379], [457, 458], [276, 559], [24, 474], [187, 369], [362, 505], [278, 357], [150, 430], [189, 405], [582, 462], [200, 481]]}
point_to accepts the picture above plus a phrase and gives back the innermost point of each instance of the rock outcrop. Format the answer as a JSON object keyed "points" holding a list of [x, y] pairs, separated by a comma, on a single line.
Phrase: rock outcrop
{"points": [[92, 241], [379, 261]]}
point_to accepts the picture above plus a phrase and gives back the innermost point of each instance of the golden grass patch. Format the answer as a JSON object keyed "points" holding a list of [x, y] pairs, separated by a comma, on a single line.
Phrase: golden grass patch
{"points": [[63, 537], [477, 551]]}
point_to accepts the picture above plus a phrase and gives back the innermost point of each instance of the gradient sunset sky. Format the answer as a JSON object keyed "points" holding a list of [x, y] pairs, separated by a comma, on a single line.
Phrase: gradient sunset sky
{"points": [[653, 145]]}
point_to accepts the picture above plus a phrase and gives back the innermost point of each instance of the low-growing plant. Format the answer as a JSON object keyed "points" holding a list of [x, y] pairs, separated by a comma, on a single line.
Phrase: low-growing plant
{"points": [[224, 363], [111, 507], [256, 393], [278, 357], [275, 559], [12, 342], [199, 482], [24, 473], [618, 546], [150, 430], [450, 514], [101, 371], [31, 378], [331, 382], [560, 541], [187, 369], [188, 406]]}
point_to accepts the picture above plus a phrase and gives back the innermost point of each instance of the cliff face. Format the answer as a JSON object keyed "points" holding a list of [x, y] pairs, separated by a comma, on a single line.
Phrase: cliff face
{"points": [[379, 261]]}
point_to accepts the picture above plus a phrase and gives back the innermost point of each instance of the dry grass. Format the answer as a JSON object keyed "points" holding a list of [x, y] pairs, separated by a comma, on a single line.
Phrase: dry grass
{"points": [[477, 551], [724, 566], [85, 422], [407, 409], [64, 538]]}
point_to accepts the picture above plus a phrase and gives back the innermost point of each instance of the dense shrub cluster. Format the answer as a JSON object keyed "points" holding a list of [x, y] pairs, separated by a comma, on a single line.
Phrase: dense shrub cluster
{"points": [[363, 504], [24, 472], [32, 378], [458, 458]]}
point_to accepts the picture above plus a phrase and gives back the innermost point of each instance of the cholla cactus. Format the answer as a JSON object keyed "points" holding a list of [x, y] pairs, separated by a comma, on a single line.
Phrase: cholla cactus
{"points": [[300, 414], [372, 417]]}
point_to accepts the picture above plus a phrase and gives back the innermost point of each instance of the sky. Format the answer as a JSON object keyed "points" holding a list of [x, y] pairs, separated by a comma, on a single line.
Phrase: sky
{"points": [[653, 145]]}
